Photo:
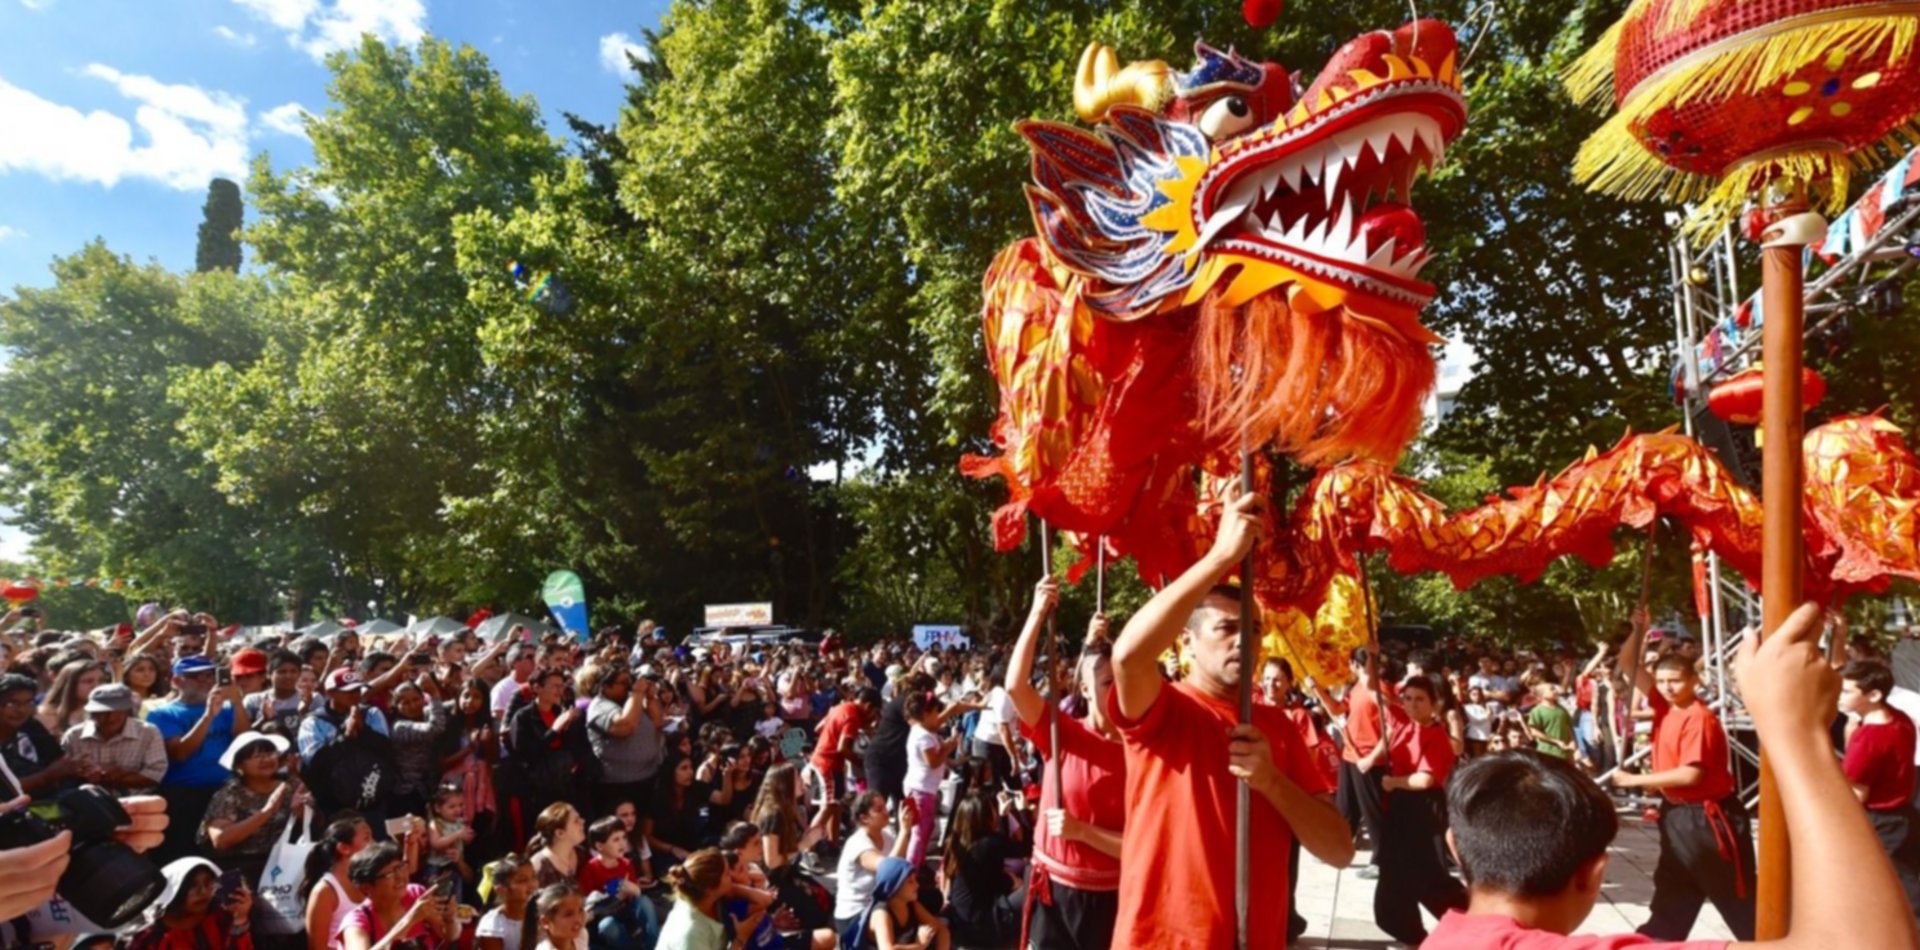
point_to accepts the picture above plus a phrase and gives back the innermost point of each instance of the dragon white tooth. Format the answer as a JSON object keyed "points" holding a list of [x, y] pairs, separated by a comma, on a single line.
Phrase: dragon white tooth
{"points": [[1297, 234], [1231, 209], [1382, 259], [1331, 184], [1342, 234]]}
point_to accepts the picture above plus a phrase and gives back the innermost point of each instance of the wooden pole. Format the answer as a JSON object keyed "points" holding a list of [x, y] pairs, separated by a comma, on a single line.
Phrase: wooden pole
{"points": [[1052, 764], [1781, 541], [1243, 800]]}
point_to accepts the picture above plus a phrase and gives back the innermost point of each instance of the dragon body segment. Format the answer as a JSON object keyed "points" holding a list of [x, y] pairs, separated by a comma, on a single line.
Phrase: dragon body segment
{"points": [[1227, 259]]}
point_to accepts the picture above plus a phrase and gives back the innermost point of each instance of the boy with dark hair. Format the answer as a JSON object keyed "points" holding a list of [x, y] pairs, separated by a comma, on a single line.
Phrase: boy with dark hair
{"points": [[1879, 766], [1532, 833], [1413, 874], [1706, 846]]}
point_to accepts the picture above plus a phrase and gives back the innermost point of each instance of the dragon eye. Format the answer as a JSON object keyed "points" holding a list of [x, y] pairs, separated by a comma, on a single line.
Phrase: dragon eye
{"points": [[1229, 116]]}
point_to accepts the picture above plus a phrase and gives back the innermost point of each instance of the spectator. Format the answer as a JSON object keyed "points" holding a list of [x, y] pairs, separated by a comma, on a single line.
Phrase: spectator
{"points": [[199, 724], [187, 918], [394, 909], [872, 841], [608, 871], [345, 748], [330, 891], [31, 753], [833, 745], [470, 749], [282, 703], [142, 674], [1879, 766], [71, 687], [513, 883], [784, 836], [556, 919], [699, 885], [548, 756], [984, 902], [418, 720], [672, 826], [927, 755], [118, 751], [623, 727], [248, 815], [1549, 724], [555, 846], [515, 684], [993, 731]]}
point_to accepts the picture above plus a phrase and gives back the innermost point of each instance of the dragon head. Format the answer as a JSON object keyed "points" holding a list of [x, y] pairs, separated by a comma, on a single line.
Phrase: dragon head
{"points": [[1268, 202]]}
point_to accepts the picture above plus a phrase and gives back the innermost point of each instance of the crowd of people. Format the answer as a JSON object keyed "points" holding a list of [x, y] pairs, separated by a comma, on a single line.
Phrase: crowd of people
{"points": [[629, 791]]}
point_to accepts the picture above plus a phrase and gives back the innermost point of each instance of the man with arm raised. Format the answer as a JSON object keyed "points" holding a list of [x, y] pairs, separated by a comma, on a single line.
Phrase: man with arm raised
{"points": [[1185, 755]]}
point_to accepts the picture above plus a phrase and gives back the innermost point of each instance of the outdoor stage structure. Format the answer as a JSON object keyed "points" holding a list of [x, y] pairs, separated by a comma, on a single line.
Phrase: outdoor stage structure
{"points": [[1222, 293], [1857, 274]]}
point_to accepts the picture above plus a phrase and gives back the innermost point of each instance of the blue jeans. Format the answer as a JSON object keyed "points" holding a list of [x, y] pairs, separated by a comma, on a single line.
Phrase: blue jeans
{"points": [[636, 924]]}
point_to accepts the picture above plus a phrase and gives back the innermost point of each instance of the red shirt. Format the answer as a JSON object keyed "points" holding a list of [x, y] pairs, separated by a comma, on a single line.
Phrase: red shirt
{"points": [[1690, 736], [1326, 757], [1363, 723], [840, 724], [1458, 931], [1422, 749], [1176, 861], [1880, 757], [1093, 788], [594, 875]]}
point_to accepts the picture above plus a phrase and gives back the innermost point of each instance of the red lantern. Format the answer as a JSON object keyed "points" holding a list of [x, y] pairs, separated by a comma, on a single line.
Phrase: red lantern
{"points": [[1260, 14], [20, 592], [1738, 398]]}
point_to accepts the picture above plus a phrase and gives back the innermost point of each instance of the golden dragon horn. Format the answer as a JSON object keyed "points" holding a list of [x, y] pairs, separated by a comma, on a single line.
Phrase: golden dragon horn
{"points": [[1100, 83]]}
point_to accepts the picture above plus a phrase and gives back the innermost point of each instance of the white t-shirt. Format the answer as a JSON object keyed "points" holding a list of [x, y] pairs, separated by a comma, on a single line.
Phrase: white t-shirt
{"points": [[503, 694], [1907, 701], [922, 777], [495, 924], [856, 882], [999, 711], [1479, 721]]}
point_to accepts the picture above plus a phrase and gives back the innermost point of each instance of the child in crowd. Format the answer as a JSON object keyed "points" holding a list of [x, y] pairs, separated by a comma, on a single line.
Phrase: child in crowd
{"points": [[770, 724], [750, 900], [927, 756], [513, 886], [1549, 724], [1532, 833], [608, 875], [1879, 765], [555, 919], [448, 833]]}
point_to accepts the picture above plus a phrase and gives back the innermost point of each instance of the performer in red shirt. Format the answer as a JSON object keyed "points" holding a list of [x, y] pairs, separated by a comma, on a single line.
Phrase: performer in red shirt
{"points": [[1879, 765], [1184, 751], [1073, 891], [1413, 872], [1363, 759], [1276, 690], [1706, 848], [1532, 832]]}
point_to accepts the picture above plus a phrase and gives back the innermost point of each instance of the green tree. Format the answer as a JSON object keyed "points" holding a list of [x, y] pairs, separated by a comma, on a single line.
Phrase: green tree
{"points": [[219, 244]]}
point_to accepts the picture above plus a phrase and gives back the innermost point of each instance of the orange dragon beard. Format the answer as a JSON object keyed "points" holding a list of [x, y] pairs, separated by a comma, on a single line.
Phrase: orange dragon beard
{"points": [[1320, 387]]}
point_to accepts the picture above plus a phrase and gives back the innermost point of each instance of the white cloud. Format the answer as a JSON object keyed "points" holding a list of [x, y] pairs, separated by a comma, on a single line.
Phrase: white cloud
{"points": [[243, 40], [319, 27], [288, 119], [36, 4], [8, 233], [189, 134], [614, 50]]}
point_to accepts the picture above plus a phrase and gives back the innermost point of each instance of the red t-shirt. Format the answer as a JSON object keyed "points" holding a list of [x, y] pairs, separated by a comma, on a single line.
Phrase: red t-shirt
{"points": [[1325, 756], [1363, 723], [1422, 749], [841, 723], [1176, 860], [1880, 757], [1690, 736], [594, 875], [1093, 781], [1458, 931]]}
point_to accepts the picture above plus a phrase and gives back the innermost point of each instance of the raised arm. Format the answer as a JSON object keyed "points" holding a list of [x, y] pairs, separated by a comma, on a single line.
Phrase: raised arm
{"points": [[1027, 701], [1136, 655]]}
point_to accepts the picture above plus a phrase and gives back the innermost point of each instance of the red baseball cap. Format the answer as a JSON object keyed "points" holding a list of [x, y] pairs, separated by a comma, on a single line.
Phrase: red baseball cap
{"points": [[345, 679], [248, 662]]}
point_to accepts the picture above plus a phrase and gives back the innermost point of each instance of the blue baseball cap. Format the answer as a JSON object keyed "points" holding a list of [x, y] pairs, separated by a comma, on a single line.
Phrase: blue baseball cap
{"points": [[189, 665]]}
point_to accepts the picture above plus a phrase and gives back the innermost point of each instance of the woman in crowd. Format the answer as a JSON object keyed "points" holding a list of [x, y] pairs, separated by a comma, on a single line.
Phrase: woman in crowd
{"points": [[894, 918], [66, 700], [886, 758], [1481, 716], [248, 815], [872, 841], [188, 917], [394, 910], [699, 884], [469, 749], [556, 919], [330, 891], [501, 927], [555, 848], [143, 675], [673, 827], [984, 902], [415, 726], [1413, 873], [784, 836]]}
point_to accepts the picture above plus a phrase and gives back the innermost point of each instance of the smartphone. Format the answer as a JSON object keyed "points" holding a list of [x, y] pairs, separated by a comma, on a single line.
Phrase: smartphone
{"points": [[446, 886], [229, 884]]}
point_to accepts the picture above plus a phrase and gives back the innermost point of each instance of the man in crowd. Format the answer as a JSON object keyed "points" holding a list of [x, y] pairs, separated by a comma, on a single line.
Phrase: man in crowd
{"points": [[623, 726], [1532, 833], [1706, 847], [29, 750], [281, 704], [198, 724], [122, 753], [346, 752], [1879, 766], [1177, 860], [514, 683]]}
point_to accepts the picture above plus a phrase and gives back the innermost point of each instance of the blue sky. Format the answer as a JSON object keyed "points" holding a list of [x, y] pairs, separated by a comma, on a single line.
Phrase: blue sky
{"points": [[115, 113]]}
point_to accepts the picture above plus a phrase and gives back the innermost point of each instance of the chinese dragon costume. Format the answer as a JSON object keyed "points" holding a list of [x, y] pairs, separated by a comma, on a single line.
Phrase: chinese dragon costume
{"points": [[1227, 259]]}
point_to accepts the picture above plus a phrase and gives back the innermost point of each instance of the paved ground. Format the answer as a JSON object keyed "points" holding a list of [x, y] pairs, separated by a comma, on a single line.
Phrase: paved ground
{"points": [[1339, 908]]}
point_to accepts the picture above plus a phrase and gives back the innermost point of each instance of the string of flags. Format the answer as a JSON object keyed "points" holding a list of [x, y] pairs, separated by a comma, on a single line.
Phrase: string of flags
{"points": [[103, 583]]}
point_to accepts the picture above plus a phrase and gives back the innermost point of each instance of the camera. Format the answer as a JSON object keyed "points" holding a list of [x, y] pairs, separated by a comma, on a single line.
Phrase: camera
{"points": [[105, 880], [195, 629]]}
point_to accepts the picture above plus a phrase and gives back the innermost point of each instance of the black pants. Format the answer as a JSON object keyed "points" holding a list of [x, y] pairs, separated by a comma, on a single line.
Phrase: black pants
{"points": [[186, 809], [1359, 799], [1075, 920], [1899, 833], [1706, 854], [1412, 875]]}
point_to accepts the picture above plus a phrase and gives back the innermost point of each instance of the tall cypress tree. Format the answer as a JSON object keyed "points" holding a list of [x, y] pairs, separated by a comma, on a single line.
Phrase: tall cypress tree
{"points": [[219, 247]]}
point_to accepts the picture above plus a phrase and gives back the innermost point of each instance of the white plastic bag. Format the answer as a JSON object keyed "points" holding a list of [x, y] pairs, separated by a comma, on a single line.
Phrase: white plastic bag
{"points": [[277, 905]]}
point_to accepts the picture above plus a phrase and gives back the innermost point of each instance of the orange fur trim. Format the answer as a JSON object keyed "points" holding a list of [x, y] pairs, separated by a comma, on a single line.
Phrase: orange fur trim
{"points": [[1322, 387]]}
